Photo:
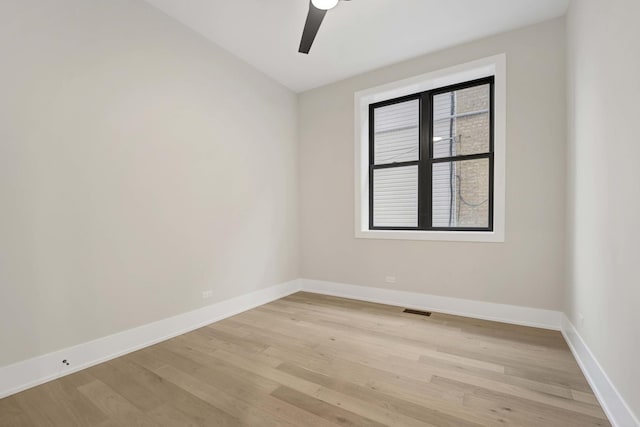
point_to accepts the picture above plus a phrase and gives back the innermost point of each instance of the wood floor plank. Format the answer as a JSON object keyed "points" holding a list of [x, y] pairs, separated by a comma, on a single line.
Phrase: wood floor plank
{"points": [[523, 412], [503, 377], [335, 414], [323, 361], [42, 410], [127, 387], [12, 415], [588, 397], [253, 411], [328, 395], [65, 394], [430, 411], [114, 405], [575, 412], [432, 334], [196, 409], [168, 416]]}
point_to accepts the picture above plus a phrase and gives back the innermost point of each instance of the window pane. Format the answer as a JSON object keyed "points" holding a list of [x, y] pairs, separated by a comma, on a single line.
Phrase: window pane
{"points": [[396, 132], [461, 194], [461, 122], [395, 197]]}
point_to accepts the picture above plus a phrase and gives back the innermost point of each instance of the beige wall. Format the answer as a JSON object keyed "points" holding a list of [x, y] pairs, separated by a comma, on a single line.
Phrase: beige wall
{"points": [[139, 166], [603, 177], [528, 269]]}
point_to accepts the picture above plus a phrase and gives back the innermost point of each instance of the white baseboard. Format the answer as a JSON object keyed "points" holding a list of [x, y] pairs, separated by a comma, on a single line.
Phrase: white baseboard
{"points": [[617, 410], [615, 407], [29, 373], [526, 316]]}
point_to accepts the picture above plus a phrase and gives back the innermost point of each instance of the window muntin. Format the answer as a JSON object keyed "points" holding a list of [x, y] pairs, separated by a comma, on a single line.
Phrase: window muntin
{"points": [[431, 160]]}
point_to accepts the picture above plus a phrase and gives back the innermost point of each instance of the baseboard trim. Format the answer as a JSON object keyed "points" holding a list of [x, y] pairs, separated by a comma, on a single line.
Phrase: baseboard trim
{"points": [[38, 370], [617, 410], [32, 372], [614, 406], [518, 315]]}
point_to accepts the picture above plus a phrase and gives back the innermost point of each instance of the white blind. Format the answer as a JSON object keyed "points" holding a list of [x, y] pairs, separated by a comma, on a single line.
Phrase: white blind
{"points": [[395, 197], [396, 136]]}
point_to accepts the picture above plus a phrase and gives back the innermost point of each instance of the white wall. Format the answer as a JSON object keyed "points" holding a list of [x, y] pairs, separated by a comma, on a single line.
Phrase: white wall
{"points": [[603, 177], [528, 269], [139, 165]]}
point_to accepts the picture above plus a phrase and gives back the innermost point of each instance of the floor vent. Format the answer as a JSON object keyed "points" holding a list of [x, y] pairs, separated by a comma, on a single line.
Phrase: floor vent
{"points": [[418, 312]]}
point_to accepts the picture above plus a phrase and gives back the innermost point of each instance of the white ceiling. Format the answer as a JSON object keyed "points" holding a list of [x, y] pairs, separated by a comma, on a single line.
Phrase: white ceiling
{"points": [[355, 37]]}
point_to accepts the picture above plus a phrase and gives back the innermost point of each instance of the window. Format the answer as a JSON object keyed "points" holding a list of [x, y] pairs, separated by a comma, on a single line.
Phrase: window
{"points": [[430, 155], [431, 160]]}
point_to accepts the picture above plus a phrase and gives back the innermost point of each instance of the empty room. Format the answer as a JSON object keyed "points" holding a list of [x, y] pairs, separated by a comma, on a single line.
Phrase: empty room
{"points": [[319, 213]]}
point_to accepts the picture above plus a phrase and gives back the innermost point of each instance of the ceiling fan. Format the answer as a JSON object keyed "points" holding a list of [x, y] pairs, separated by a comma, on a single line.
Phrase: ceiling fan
{"points": [[317, 10]]}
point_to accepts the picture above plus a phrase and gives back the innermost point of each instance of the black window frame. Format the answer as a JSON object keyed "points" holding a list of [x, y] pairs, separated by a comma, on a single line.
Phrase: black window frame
{"points": [[426, 160]]}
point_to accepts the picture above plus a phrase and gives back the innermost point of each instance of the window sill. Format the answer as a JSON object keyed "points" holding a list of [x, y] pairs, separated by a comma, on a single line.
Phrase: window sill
{"points": [[446, 236]]}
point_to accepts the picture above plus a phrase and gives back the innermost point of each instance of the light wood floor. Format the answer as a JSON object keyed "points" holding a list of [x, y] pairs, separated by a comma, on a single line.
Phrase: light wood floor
{"points": [[311, 360]]}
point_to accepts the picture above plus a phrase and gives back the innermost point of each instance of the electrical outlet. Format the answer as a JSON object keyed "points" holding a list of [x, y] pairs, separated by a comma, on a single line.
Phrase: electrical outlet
{"points": [[207, 294], [390, 279]]}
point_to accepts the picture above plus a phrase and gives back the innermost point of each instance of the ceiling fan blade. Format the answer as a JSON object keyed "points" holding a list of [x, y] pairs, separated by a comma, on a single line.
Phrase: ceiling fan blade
{"points": [[311, 27]]}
